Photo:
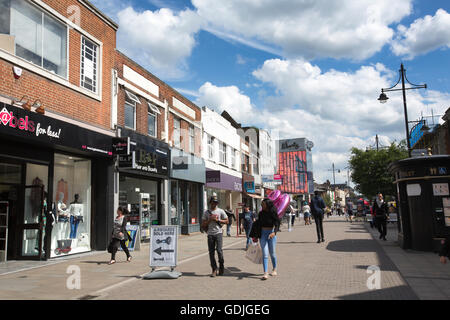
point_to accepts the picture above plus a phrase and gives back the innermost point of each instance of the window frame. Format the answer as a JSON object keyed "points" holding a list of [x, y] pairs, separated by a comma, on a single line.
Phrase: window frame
{"points": [[191, 139], [44, 12], [222, 153], [83, 37], [210, 144], [150, 112], [177, 129], [133, 104], [233, 158]]}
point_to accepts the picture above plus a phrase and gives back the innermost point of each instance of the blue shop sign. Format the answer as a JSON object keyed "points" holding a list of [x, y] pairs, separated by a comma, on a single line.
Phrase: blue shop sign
{"points": [[249, 186]]}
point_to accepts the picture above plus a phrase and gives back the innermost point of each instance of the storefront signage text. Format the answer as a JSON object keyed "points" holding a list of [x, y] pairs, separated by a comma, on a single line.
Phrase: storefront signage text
{"points": [[25, 124]]}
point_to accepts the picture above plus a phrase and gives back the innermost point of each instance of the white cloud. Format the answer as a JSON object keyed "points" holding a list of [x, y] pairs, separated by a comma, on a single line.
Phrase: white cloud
{"points": [[423, 35], [229, 98], [337, 110], [160, 40], [309, 28]]}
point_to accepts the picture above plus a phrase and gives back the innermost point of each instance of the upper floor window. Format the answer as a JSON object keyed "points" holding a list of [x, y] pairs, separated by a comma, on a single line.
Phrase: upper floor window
{"points": [[152, 119], [176, 132], [233, 158], [222, 153], [89, 65], [130, 110], [38, 37], [191, 139], [210, 147]]}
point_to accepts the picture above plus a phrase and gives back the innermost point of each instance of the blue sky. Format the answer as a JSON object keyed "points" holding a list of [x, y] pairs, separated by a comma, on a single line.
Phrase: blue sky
{"points": [[310, 68]]}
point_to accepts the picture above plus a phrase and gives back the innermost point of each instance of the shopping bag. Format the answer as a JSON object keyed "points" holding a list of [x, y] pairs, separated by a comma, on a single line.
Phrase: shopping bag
{"points": [[254, 253]]}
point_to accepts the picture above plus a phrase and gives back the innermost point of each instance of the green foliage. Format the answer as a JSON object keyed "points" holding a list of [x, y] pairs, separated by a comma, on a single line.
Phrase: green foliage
{"points": [[369, 169], [327, 200]]}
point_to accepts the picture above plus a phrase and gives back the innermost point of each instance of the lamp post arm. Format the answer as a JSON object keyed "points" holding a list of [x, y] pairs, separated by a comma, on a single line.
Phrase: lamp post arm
{"points": [[419, 87]]}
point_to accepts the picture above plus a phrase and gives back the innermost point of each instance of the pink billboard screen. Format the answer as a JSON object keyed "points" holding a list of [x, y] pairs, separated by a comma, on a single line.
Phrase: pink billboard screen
{"points": [[292, 167]]}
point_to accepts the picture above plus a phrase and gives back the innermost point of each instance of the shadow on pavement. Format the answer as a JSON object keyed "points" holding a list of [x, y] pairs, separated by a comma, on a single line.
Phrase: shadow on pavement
{"points": [[394, 293], [384, 267], [98, 262], [352, 245], [295, 242], [238, 275]]}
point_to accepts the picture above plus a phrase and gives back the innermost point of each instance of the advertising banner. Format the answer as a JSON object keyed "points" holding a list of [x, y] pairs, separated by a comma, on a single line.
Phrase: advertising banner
{"points": [[293, 169]]}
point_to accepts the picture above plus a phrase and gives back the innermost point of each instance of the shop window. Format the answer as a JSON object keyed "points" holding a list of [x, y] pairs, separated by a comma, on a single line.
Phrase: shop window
{"points": [[174, 202], [89, 61], [193, 204], [139, 196], [38, 37], [72, 197]]}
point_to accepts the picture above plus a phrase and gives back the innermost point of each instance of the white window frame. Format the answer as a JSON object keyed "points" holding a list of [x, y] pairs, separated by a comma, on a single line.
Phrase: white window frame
{"points": [[132, 96], [210, 143], [233, 158], [133, 104], [222, 153], [40, 67], [155, 115], [191, 139], [154, 108], [177, 130], [96, 66]]}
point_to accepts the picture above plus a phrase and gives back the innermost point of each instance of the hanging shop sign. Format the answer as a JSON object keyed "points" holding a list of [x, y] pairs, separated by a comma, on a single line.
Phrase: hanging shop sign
{"points": [[121, 146], [45, 130], [249, 186], [213, 176]]}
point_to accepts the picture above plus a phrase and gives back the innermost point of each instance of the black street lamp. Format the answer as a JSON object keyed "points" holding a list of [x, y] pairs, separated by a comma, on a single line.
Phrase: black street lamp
{"points": [[383, 99]]}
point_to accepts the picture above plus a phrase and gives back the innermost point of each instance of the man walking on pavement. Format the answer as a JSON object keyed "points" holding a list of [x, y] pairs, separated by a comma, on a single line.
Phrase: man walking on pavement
{"points": [[230, 216], [213, 219], [317, 206], [380, 210]]}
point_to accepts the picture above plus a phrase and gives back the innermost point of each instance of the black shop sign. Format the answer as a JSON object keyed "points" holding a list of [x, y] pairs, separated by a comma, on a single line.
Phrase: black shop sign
{"points": [[146, 155], [44, 130]]}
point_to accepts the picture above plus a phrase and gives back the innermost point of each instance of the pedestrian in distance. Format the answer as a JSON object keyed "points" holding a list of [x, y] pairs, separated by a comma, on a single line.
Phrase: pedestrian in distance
{"points": [[212, 222], [248, 218], [268, 225], [317, 209], [119, 235], [306, 210], [444, 253], [349, 215], [230, 216], [380, 210]]}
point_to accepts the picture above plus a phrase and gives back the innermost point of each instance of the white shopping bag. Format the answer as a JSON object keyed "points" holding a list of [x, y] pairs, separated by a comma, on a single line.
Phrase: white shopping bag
{"points": [[254, 253]]}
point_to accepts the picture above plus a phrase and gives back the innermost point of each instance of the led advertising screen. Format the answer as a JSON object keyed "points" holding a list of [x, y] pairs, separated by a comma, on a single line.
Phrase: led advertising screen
{"points": [[293, 169]]}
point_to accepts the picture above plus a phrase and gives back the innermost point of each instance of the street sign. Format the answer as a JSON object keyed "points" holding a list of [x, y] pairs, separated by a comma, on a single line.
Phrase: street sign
{"points": [[163, 246]]}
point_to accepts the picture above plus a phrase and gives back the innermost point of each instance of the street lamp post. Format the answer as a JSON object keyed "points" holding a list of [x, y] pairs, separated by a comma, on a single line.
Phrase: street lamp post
{"points": [[383, 99]]}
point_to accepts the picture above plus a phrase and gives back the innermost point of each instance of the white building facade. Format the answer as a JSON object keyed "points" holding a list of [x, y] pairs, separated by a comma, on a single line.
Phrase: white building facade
{"points": [[222, 154]]}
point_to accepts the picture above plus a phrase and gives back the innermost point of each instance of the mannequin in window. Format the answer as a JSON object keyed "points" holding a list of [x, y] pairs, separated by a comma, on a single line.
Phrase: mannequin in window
{"points": [[76, 215], [36, 198], [62, 217]]}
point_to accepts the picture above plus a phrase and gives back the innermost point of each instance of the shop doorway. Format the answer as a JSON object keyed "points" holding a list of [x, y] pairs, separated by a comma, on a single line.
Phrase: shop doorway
{"points": [[22, 193]]}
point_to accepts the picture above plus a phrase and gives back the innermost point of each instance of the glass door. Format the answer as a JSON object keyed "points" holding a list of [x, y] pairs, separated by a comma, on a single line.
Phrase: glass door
{"points": [[32, 227]]}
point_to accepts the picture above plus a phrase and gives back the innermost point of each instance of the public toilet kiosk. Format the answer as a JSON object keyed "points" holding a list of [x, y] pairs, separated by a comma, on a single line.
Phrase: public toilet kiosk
{"points": [[423, 201]]}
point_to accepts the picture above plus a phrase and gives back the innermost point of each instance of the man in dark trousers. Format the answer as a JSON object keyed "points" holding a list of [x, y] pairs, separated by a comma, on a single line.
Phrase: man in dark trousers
{"points": [[248, 219], [214, 219], [317, 206], [231, 217], [380, 213]]}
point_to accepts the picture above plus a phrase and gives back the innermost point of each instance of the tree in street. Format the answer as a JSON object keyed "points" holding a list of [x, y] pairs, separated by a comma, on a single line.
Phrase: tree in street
{"points": [[369, 169]]}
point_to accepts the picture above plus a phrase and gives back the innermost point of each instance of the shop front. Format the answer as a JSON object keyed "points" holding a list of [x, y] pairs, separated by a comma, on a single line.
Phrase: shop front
{"points": [[141, 178], [252, 195], [227, 187], [51, 202], [186, 191]]}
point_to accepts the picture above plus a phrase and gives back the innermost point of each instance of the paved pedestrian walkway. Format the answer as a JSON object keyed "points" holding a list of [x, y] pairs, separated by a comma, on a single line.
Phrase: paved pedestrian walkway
{"points": [[335, 269], [429, 279]]}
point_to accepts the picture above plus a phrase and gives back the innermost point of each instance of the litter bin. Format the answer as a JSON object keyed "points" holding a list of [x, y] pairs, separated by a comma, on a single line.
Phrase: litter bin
{"points": [[423, 201]]}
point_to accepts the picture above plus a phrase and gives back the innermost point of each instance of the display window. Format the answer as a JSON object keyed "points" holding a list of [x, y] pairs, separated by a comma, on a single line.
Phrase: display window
{"points": [[194, 208], [72, 198], [140, 198]]}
